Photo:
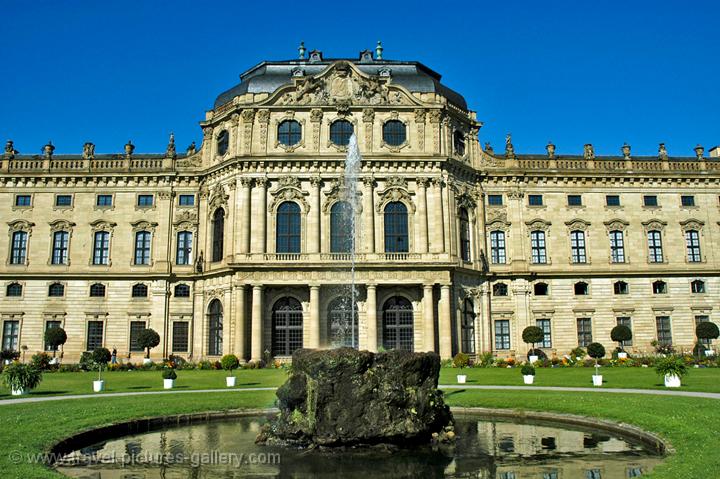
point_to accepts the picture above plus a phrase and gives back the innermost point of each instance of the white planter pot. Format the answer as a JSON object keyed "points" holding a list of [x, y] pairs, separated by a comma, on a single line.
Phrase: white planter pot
{"points": [[528, 379], [709, 352], [622, 355], [7, 361], [168, 383], [532, 359], [461, 378], [147, 361], [99, 386], [230, 381], [597, 379], [672, 381], [18, 392]]}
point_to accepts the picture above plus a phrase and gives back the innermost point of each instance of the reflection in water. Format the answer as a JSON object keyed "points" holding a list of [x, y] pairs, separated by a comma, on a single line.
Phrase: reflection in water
{"points": [[484, 449]]}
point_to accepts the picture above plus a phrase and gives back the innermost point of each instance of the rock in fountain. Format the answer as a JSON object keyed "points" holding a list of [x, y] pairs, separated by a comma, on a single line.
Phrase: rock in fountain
{"points": [[345, 397]]}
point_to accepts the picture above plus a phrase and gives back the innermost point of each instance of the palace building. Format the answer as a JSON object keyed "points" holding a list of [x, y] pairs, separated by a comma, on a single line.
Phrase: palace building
{"points": [[238, 246]]}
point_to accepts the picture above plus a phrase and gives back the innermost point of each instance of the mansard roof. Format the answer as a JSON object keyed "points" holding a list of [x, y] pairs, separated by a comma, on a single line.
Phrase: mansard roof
{"points": [[268, 76]]}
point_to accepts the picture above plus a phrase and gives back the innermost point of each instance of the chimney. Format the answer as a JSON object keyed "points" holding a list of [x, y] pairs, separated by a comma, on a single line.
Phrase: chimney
{"points": [[715, 152]]}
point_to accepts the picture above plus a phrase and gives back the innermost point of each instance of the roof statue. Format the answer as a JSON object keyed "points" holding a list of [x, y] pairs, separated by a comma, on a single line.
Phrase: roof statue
{"points": [[589, 151], [662, 152]]}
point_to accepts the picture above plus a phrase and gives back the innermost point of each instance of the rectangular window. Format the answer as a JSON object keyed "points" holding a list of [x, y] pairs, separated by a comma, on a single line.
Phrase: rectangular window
{"points": [[94, 335], [50, 325], [11, 334], [612, 200], [535, 200], [495, 200], [135, 328], [577, 247], [664, 333], [692, 241], [23, 200], [625, 321], [184, 248], [103, 200], [650, 200], [497, 247], [142, 247], [187, 200], [60, 247], [617, 247], [537, 246], [502, 334], [584, 331], [687, 200], [145, 201], [101, 248], [544, 324], [180, 336], [574, 200], [18, 252], [655, 252], [63, 200]]}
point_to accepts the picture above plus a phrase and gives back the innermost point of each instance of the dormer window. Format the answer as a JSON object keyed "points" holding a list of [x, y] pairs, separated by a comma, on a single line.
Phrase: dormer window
{"points": [[223, 141]]}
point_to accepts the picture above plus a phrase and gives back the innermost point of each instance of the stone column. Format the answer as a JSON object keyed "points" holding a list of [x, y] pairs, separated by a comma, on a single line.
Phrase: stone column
{"points": [[444, 323], [369, 210], [260, 220], [428, 317], [422, 216], [371, 315], [239, 346], [487, 338], [314, 326], [313, 227], [257, 330], [437, 217], [246, 206]]}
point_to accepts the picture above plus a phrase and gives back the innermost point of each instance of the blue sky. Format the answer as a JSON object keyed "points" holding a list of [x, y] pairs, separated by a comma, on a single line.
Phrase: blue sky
{"points": [[572, 72]]}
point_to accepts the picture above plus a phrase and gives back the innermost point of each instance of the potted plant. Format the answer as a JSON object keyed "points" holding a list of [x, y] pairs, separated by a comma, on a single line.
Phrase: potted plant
{"points": [[596, 351], [620, 334], [169, 376], [461, 360], [8, 355], [148, 339], [706, 332], [54, 338], [100, 358], [528, 373], [672, 369], [230, 362], [532, 335], [21, 378]]}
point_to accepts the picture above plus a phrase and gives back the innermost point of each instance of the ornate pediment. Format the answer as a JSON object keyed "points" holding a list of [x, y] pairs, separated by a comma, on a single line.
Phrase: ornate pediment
{"points": [[289, 190], [654, 224], [616, 224], [691, 224], [218, 198], [342, 84], [186, 217], [102, 225], [497, 219], [143, 225], [577, 224], [339, 191], [538, 224], [395, 190], [61, 225], [20, 225]]}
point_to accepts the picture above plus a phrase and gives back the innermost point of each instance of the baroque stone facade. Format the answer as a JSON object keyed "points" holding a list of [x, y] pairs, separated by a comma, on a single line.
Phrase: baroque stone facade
{"points": [[234, 247]]}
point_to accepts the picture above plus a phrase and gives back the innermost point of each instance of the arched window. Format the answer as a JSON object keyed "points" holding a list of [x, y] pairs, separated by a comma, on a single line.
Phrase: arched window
{"points": [[182, 291], [287, 238], [468, 327], [223, 141], [537, 247], [617, 247], [655, 251], [394, 132], [396, 228], [464, 235], [659, 287], [56, 290], [60, 247], [289, 133], [340, 132], [459, 143], [577, 246], [398, 324], [97, 290], [18, 253], [142, 247], [540, 289], [13, 290], [500, 289], [341, 227], [183, 255], [497, 247], [101, 247], [343, 323], [139, 290], [692, 241], [697, 286], [218, 234], [215, 328], [620, 287], [287, 326], [581, 288]]}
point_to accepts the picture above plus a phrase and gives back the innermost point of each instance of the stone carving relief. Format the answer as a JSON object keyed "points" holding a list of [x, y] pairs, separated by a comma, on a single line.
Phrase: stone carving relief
{"points": [[289, 190], [691, 224], [60, 225], [186, 217], [218, 198], [616, 225], [654, 224], [395, 190], [577, 224], [340, 192]]}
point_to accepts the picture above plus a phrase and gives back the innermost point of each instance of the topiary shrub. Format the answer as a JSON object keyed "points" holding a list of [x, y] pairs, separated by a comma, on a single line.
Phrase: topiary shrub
{"points": [[620, 334], [169, 373], [55, 337], [229, 362], [707, 331], [532, 335], [100, 357], [148, 339], [596, 351], [461, 360], [527, 370], [21, 377]]}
